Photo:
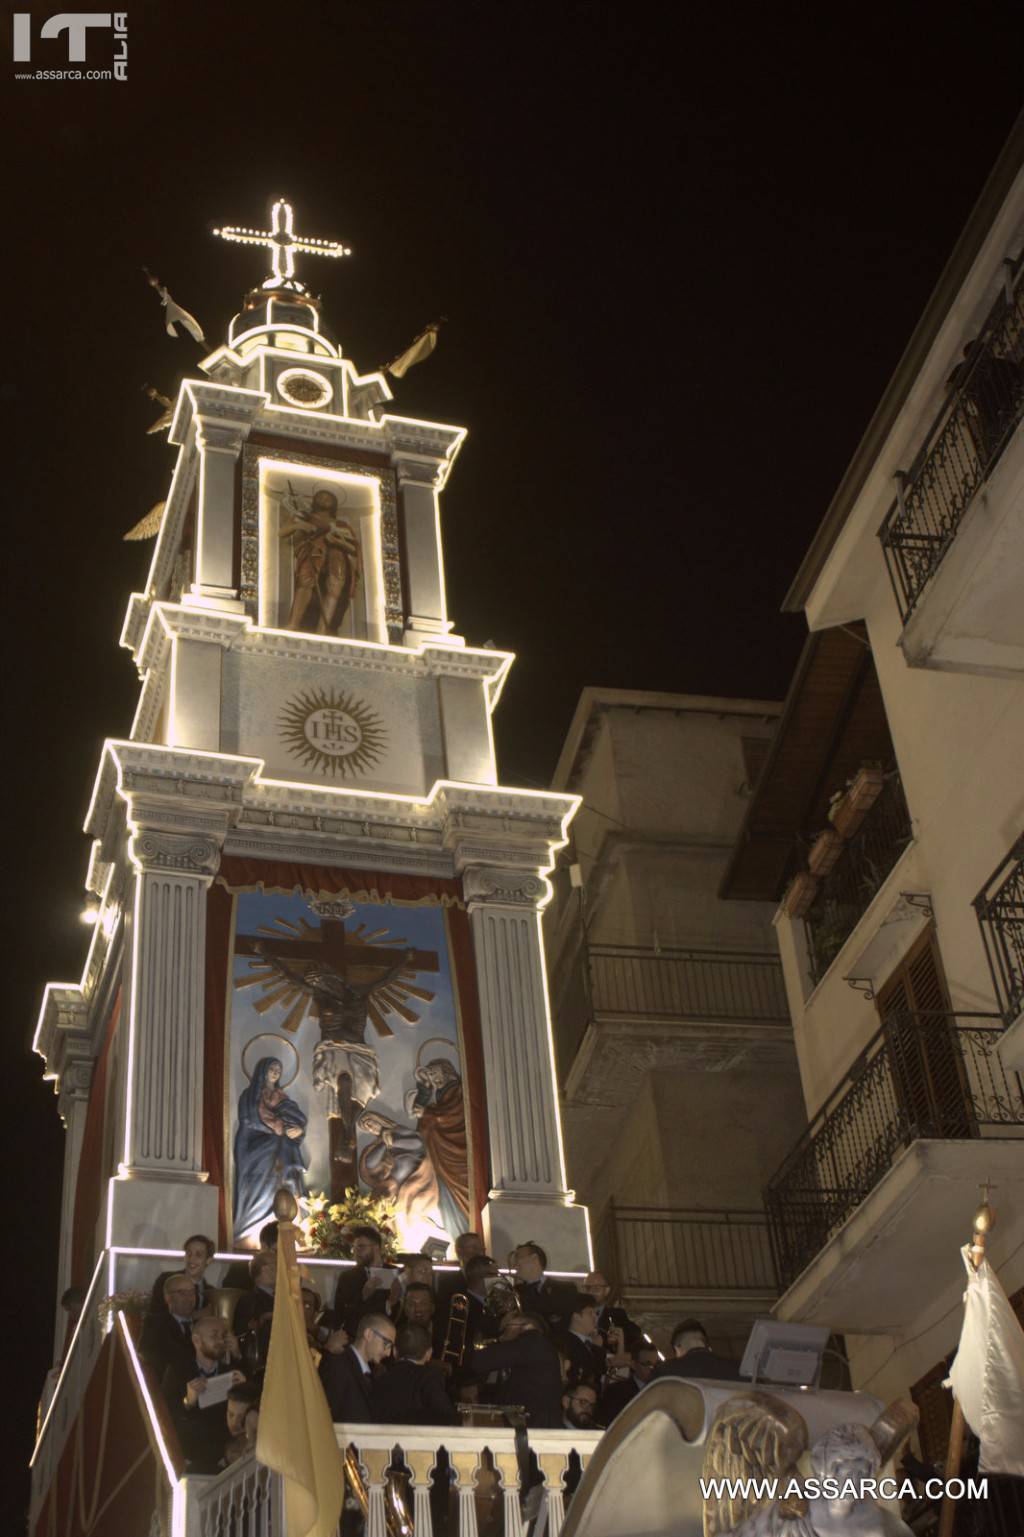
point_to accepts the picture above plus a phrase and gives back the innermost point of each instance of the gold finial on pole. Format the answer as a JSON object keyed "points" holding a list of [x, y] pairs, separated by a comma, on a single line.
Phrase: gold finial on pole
{"points": [[286, 1207], [983, 1223]]}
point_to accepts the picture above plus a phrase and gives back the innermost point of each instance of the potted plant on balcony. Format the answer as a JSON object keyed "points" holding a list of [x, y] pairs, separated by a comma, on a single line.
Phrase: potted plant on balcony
{"points": [[800, 894], [825, 850], [849, 808]]}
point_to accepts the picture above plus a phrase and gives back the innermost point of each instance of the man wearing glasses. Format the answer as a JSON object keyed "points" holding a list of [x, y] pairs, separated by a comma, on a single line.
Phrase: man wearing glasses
{"points": [[347, 1377]]}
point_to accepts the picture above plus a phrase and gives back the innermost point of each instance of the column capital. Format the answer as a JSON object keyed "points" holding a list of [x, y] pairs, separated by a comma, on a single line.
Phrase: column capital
{"points": [[414, 470], [75, 1084], [492, 886], [221, 415], [157, 851]]}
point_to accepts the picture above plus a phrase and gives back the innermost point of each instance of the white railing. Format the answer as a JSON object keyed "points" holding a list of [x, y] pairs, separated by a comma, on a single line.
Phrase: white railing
{"points": [[58, 1416], [246, 1499]]}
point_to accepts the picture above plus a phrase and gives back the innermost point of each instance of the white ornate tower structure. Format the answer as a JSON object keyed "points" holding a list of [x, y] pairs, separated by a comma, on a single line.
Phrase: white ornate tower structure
{"points": [[302, 855]]}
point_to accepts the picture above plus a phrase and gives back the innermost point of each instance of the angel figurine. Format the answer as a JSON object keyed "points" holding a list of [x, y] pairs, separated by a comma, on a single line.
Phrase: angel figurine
{"points": [[756, 1435]]}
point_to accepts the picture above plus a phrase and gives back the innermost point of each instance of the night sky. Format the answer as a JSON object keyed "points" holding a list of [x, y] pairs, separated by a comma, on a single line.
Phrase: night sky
{"points": [[678, 265]]}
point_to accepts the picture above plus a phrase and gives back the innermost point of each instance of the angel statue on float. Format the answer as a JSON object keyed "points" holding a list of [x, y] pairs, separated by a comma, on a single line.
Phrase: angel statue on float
{"points": [[757, 1436]]}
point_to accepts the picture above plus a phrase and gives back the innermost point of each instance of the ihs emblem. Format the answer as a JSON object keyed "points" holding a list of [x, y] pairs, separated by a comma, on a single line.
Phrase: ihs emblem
{"points": [[333, 732]]}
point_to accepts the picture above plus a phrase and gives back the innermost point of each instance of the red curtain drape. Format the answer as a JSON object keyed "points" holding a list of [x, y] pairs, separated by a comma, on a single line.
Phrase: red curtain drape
{"points": [[239, 874], [92, 1177], [464, 966], [218, 934]]}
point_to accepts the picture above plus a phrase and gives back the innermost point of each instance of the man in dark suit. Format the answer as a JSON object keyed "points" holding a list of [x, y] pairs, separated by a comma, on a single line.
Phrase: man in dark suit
{"points": [[467, 1247], [643, 1360], [348, 1377], [203, 1431], [586, 1359], [253, 1309], [167, 1333], [480, 1325], [198, 1252], [357, 1292], [553, 1300], [527, 1364], [412, 1391], [597, 1286], [237, 1275], [692, 1356]]}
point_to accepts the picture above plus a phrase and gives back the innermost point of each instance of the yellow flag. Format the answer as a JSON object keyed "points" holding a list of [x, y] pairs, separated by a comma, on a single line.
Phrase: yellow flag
{"points": [[296, 1437], [421, 348]]}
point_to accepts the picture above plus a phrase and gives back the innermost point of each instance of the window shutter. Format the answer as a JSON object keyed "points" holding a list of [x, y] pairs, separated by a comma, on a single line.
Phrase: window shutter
{"points": [[927, 1069]]}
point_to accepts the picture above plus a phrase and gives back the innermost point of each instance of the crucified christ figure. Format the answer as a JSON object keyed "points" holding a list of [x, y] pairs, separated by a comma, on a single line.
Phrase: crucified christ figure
{"points": [[345, 1066]]}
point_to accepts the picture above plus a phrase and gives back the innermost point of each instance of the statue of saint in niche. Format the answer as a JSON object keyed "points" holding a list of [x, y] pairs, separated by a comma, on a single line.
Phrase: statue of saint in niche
{"points": [[325, 561]]}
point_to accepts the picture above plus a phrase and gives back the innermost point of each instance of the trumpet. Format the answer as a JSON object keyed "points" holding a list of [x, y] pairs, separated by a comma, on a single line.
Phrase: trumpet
{"points": [[455, 1335]]}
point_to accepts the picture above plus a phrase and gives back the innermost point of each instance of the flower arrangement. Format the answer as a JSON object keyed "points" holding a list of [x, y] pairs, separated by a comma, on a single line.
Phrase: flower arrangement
{"points": [[326, 1226], [135, 1303]]}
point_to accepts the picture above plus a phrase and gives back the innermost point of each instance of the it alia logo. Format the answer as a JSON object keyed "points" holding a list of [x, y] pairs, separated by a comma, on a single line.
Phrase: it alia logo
{"points": [[76, 24]]}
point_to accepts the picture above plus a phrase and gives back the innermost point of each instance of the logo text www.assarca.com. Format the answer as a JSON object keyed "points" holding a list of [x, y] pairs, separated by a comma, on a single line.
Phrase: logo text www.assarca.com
{"points": [[74, 28]]}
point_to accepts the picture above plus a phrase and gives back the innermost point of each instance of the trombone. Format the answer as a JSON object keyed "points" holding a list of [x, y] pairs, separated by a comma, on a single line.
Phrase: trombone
{"points": [[455, 1336]]}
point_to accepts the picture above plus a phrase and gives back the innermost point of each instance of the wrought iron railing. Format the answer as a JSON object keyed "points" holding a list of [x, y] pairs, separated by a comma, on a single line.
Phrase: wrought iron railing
{"points": [[848, 889], [961, 449], [921, 1075], [667, 1251], [1000, 909], [720, 986]]}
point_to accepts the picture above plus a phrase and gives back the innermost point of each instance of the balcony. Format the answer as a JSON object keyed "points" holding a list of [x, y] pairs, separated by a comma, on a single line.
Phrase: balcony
{"points": [[858, 874], [686, 1005], [661, 1256], [247, 1500], [956, 530], [1000, 909], [876, 1189], [103, 1379]]}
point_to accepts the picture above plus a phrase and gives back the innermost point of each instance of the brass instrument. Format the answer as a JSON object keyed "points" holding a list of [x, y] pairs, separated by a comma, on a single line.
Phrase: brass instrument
{"points": [[455, 1335], [396, 1517], [502, 1298]]}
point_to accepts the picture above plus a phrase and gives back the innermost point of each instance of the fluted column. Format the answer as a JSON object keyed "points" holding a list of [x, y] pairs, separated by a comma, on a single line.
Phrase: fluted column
{"points": [[424, 569], [528, 1199], [222, 418], [164, 1131], [75, 1084], [163, 1139]]}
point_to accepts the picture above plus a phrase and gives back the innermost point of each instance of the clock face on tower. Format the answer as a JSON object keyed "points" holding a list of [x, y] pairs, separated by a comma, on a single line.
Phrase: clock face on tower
{"points": [[302, 387]]}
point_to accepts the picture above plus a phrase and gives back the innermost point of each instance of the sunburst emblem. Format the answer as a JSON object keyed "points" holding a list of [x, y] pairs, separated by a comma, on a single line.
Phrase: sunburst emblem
{"points": [[333, 732]]}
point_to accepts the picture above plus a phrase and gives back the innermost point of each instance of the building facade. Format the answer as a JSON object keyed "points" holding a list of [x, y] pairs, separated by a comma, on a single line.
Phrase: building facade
{"points": [[317, 957], [673, 1044], [888, 823]]}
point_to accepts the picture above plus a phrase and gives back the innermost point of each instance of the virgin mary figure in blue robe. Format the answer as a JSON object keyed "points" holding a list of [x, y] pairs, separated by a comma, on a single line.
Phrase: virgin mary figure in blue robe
{"points": [[268, 1146]]}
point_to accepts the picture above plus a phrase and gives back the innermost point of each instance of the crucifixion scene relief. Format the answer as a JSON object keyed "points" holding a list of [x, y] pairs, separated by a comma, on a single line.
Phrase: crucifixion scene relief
{"points": [[346, 1065]]}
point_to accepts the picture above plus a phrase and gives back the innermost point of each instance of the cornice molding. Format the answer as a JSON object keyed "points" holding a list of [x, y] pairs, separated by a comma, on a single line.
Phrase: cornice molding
{"points": [[237, 632]]}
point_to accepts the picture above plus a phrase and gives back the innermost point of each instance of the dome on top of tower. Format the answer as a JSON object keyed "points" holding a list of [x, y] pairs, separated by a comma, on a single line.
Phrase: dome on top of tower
{"points": [[287, 318]]}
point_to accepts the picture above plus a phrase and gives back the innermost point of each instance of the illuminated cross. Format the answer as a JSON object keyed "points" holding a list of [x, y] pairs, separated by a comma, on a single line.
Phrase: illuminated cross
{"points": [[283, 242]]}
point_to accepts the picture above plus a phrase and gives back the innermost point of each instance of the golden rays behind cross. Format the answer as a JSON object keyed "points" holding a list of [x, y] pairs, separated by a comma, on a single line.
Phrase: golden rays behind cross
{"points": [[278, 990]]}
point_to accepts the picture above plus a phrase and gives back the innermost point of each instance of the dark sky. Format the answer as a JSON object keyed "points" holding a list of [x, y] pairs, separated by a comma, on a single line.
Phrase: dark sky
{"points": [[678, 260]]}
